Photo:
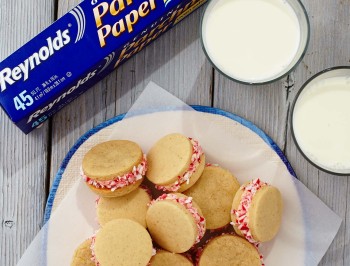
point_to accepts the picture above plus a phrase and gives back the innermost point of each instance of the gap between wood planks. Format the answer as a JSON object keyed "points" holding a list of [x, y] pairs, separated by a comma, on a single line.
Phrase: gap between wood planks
{"points": [[289, 85], [49, 133], [212, 88]]}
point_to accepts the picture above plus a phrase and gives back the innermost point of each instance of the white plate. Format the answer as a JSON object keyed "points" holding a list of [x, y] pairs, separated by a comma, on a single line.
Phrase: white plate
{"points": [[231, 141]]}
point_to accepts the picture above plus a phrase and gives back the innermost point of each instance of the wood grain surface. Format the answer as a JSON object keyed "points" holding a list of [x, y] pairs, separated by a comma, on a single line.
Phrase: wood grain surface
{"points": [[23, 159], [176, 62]]}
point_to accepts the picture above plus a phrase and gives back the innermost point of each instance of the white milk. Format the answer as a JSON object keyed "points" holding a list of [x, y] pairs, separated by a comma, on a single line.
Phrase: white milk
{"points": [[251, 40], [321, 123]]}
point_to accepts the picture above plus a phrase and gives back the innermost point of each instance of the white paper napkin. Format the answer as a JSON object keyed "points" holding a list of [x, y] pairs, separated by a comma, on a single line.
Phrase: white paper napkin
{"points": [[308, 225]]}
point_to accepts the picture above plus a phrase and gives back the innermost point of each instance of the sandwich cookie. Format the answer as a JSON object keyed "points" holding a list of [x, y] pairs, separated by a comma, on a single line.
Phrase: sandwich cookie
{"points": [[163, 257], [114, 168], [257, 211], [175, 222], [214, 192], [175, 163], [122, 242], [82, 255], [229, 250], [132, 206]]}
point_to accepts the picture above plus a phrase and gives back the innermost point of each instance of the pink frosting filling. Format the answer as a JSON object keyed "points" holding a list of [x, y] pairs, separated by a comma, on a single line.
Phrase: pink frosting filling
{"points": [[120, 181], [187, 203], [92, 248], [195, 161], [242, 218], [241, 213]]}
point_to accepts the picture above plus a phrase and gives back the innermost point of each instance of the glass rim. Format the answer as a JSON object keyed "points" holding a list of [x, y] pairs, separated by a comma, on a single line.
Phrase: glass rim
{"points": [[330, 69], [278, 77]]}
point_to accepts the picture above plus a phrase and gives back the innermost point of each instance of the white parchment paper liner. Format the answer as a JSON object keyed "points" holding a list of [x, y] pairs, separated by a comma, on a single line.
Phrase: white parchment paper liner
{"points": [[308, 225]]}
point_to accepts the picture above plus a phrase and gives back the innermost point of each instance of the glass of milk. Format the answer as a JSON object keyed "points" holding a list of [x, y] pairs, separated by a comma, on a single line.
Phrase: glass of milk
{"points": [[255, 41], [320, 120]]}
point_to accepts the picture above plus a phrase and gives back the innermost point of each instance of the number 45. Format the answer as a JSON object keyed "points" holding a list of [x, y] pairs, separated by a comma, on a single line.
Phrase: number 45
{"points": [[22, 101]]}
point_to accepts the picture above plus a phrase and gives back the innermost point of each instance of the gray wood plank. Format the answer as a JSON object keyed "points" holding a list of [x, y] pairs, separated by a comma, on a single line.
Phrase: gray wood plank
{"points": [[269, 107], [23, 159], [174, 61], [329, 47]]}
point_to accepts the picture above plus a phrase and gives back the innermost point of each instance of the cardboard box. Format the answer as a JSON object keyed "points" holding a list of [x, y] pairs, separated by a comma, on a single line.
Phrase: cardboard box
{"points": [[77, 51]]}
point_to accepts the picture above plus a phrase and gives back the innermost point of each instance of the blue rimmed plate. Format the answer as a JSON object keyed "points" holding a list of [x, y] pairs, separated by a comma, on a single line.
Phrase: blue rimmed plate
{"points": [[227, 139]]}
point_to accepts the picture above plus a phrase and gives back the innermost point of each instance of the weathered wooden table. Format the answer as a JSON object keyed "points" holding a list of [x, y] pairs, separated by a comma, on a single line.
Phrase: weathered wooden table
{"points": [[176, 62]]}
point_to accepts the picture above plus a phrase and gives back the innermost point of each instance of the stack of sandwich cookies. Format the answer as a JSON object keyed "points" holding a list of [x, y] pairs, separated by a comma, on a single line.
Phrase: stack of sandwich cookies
{"points": [[82, 255], [214, 193], [175, 222], [175, 163], [230, 250], [257, 211], [132, 206], [164, 257], [122, 242], [114, 168]]}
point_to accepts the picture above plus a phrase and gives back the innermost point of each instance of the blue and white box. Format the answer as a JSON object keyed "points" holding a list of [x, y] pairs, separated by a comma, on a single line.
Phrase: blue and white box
{"points": [[78, 50]]}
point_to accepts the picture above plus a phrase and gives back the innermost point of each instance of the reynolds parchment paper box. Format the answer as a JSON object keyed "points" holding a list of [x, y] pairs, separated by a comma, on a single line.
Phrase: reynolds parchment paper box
{"points": [[78, 50]]}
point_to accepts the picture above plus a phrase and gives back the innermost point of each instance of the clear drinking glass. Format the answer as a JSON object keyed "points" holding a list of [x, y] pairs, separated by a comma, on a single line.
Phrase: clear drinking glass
{"points": [[335, 72], [304, 27]]}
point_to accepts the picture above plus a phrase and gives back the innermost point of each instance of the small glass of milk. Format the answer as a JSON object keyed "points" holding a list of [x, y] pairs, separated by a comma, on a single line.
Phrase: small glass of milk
{"points": [[255, 41], [320, 120]]}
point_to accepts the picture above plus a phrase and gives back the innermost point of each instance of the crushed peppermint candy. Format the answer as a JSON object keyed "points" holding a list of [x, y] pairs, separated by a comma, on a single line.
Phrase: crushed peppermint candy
{"points": [[120, 181], [97, 201], [92, 248], [187, 203], [241, 212], [242, 218], [198, 254], [212, 164], [154, 252], [185, 178], [261, 257]]}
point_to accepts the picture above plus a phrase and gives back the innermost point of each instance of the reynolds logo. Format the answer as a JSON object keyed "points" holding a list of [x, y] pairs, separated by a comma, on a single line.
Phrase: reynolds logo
{"points": [[109, 60], [10, 76], [166, 2], [79, 16]]}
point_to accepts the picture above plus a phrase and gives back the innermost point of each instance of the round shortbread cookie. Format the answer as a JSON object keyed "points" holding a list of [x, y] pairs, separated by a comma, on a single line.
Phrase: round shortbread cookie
{"points": [[172, 226], [169, 158], [264, 212], [132, 206], [214, 194], [123, 242], [82, 255], [229, 250], [170, 259], [109, 160]]}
